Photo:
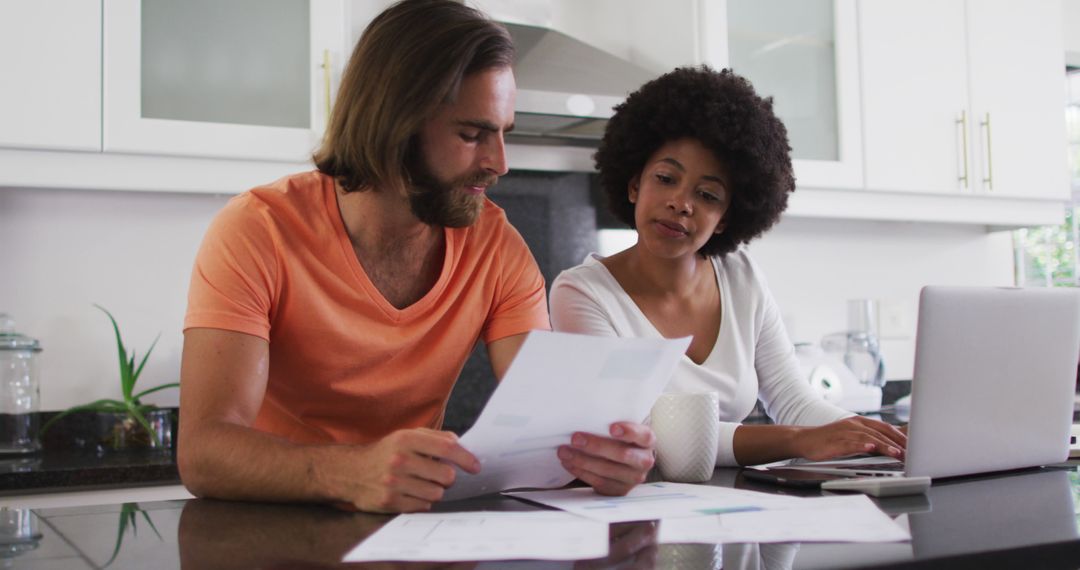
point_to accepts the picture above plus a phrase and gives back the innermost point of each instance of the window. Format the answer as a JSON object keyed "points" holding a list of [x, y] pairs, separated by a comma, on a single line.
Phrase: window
{"points": [[1048, 256]]}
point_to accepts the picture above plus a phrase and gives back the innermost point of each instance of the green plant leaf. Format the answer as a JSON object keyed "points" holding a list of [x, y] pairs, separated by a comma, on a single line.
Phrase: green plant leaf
{"points": [[138, 371], [139, 417], [103, 405], [127, 517], [139, 396], [126, 383], [111, 406], [125, 510], [130, 386], [146, 516]]}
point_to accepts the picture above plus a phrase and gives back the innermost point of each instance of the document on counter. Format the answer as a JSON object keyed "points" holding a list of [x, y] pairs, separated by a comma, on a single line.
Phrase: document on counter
{"points": [[660, 500], [852, 518], [513, 535], [558, 384]]}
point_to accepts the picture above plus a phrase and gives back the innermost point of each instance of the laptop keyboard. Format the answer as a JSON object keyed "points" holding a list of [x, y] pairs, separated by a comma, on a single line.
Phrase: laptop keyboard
{"points": [[891, 466]]}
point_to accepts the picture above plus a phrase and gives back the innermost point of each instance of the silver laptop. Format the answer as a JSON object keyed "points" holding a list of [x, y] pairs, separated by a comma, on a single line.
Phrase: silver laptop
{"points": [[993, 387]]}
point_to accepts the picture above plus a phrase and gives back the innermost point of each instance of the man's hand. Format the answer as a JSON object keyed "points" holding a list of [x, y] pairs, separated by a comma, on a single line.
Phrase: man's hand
{"points": [[850, 436], [612, 465], [407, 471]]}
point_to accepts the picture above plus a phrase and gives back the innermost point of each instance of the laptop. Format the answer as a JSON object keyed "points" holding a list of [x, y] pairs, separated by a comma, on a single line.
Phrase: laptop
{"points": [[993, 387]]}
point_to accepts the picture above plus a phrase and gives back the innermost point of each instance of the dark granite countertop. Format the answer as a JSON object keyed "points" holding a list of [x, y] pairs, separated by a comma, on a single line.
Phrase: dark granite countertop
{"points": [[70, 461], [1017, 520], [74, 470]]}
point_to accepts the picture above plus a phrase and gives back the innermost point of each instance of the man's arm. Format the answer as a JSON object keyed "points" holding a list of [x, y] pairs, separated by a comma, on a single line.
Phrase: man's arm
{"points": [[223, 380], [611, 465]]}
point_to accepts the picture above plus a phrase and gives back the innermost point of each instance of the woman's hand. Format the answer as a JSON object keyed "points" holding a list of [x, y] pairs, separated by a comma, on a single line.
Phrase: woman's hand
{"points": [[850, 436]]}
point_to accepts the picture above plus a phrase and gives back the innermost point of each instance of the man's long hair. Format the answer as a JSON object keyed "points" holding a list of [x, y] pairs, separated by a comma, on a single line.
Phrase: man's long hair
{"points": [[410, 59]]}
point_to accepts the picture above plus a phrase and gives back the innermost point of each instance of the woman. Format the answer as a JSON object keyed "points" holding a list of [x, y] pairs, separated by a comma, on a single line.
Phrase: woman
{"points": [[698, 164]]}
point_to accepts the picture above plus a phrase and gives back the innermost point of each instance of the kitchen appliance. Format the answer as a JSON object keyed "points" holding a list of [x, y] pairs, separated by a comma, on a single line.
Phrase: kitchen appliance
{"points": [[834, 381], [847, 369], [566, 88], [19, 392]]}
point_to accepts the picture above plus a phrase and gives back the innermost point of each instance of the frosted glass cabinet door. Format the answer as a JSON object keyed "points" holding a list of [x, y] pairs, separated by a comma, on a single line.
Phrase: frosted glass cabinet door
{"points": [[50, 90], [803, 53], [220, 78]]}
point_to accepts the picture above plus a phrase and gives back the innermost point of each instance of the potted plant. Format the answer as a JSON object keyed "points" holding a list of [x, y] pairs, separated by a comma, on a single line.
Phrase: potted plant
{"points": [[127, 422]]}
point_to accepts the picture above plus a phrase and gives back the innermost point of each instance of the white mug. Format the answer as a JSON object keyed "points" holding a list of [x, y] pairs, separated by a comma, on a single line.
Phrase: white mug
{"points": [[687, 429]]}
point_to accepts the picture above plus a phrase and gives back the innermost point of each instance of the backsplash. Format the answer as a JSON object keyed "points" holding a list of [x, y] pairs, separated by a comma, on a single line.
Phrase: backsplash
{"points": [[132, 252]]}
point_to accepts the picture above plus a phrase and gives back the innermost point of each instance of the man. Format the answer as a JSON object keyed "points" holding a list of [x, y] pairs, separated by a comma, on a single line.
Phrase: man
{"points": [[331, 312]]}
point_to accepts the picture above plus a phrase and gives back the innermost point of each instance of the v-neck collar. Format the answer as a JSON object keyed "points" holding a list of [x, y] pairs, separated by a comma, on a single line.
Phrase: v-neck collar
{"points": [[724, 304], [364, 282]]}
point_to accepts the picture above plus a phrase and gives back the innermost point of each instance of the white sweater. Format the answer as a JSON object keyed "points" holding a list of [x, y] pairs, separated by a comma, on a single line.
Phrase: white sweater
{"points": [[752, 357]]}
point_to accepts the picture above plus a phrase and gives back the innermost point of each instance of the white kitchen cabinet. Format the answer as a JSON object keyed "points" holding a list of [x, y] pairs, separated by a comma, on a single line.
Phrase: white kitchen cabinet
{"points": [[50, 58], [803, 53], [964, 97], [246, 79], [1017, 99]]}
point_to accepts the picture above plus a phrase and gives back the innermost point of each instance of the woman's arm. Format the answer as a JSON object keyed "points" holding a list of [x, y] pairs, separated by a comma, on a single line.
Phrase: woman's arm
{"points": [[791, 402], [575, 309], [756, 444]]}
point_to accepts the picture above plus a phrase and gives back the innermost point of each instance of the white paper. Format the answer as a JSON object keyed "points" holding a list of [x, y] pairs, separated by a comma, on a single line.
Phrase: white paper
{"points": [[447, 537], [652, 501], [852, 518], [558, 384]]}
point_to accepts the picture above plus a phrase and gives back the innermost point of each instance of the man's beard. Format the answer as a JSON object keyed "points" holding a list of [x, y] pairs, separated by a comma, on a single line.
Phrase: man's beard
{"points": [[440, 202]]}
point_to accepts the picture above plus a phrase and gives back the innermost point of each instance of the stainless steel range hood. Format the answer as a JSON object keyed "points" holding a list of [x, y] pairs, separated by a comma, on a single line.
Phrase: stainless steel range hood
{"points": [[566, 88]]}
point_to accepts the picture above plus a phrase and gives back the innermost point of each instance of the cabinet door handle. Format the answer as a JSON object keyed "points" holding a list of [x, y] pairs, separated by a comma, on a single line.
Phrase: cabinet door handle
{"points": [[989, 178], [326, 83], [961, 123]]}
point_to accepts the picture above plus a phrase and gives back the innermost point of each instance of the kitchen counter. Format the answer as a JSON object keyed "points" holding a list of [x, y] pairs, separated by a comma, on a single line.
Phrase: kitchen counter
{"points": [[1020, 519], [69, 462], [71, 470]]}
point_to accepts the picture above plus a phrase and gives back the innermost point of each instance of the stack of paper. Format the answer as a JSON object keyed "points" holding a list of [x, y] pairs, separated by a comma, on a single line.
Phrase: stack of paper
{"points": [[716, 515], [548, 535], [561, 383], [687, 514]]}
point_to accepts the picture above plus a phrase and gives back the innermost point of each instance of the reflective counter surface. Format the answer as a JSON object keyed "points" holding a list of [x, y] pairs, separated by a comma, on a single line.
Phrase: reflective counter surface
{"points": [[1019, 520]]}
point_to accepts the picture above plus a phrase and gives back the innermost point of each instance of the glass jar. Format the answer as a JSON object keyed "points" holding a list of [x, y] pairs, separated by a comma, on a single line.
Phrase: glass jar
{"points": [[18, 533], [19, 392]]}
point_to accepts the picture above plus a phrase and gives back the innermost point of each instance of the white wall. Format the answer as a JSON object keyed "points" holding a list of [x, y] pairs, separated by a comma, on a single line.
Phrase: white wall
{"points": [[814, 267], [61, 250]]}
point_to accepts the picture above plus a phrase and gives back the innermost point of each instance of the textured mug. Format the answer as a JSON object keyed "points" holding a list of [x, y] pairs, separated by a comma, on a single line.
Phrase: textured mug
{"points": [[687, 429]]}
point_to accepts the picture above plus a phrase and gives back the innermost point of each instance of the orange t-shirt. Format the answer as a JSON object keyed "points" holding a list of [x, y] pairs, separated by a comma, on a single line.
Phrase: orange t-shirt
{"points": [[345, 365]]}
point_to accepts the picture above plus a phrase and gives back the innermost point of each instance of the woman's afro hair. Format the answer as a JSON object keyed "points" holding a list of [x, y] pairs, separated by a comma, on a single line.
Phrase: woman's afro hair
{"points": [[722, 111]]}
